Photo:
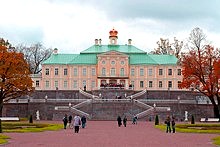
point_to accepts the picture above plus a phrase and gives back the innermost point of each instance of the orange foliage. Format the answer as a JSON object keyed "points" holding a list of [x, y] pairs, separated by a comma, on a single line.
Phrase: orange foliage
{"points": [[201, 70], [15, 78]]}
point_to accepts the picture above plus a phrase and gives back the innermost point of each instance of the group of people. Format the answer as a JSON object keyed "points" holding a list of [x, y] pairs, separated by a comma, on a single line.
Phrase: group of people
{"points": [[75, 122], [170, 124], [119, 120]]}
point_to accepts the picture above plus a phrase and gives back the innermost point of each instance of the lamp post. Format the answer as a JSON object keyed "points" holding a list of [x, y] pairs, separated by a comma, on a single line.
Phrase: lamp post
{"points": [[70, 106], [179, 113], [45, 106], [154, 105], [146, 93]]}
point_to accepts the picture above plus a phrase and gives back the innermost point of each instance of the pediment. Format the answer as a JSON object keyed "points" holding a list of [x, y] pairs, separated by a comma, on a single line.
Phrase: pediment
{"points": [[113, 53]]}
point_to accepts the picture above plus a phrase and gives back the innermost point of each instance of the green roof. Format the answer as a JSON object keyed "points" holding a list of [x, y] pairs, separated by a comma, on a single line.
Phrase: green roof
{"points": [[60, 58], [150, 59], [120, 48], [164, 59], [141, 59], [71, 59], [89, 56], [84, 59]]}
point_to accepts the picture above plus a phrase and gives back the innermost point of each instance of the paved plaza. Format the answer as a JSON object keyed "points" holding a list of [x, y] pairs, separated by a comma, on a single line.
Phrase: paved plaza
{"points": [[108, 134]]}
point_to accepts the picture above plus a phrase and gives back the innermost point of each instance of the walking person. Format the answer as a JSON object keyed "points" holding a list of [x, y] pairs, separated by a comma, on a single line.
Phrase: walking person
{"points": [[65, 121], [173, 124], [167, 122], [134, 120], [125, 121], [77, 123], [119, 121], [83, 120], [70, 120]]}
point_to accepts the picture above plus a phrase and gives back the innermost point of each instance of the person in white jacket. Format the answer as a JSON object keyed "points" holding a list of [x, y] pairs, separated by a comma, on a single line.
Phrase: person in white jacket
{"points": [[77, 123]]}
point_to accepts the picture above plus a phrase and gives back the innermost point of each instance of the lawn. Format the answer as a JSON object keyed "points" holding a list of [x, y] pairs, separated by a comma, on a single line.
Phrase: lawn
{"points": [[197, 128], [24, 126]]}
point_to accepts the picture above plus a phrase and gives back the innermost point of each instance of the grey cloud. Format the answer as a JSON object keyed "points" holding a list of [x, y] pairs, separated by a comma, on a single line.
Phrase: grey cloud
{"points": [[24, 35]]}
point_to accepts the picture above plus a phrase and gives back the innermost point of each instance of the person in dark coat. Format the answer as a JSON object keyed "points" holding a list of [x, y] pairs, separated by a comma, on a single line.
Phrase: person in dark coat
{"points": [[168, 124], [119, 121], [65, 121], [70, 120], [83, 120], [125, 121], [173, 124]]}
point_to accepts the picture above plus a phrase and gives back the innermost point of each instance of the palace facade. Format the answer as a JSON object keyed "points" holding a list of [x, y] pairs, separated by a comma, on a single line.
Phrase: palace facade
{"points": [[109, 66]]}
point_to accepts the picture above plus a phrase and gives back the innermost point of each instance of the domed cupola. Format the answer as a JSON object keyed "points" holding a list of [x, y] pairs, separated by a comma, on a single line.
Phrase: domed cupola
{"points": [[113, 36]]}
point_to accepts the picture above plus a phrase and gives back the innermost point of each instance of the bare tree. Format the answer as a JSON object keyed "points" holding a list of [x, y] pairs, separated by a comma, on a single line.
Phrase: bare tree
{"points": [[165, 47], [34, 55], [197, 39]]}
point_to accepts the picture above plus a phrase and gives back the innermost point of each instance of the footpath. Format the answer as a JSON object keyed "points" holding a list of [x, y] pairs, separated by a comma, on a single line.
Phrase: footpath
{"points": [[108, 134]]}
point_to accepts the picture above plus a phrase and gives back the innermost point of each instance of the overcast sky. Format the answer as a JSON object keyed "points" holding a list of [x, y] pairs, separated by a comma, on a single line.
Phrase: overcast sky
{"points": [[72, 25]]}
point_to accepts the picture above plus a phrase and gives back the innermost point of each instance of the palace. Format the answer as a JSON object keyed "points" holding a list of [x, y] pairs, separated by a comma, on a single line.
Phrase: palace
{"points": [[109, 66]]}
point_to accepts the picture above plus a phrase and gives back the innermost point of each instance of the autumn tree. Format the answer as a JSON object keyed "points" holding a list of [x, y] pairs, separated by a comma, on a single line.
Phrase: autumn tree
{"points": [[34, 55], [200, 69], [14, 74]]}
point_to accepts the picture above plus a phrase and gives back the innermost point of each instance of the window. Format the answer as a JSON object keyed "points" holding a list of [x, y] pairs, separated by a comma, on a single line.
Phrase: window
{"points": [[160, 72], [169, 84], [37, 83], [93, 71], [84, 71], [112, 71], [47, 84], [56, 71], [75, 84], [47, 72], [179, 83], [150, 72], [65, 84], [113, 62], [122, 72], [169, 72], [141, 84], [103, 71], [132, 72], [93, 84], [56, 84], [65, 71], [160, 84], [103, 62], [75, 72], [141, 72], [122, 62], [150, 84], [84, 83], [179, 72]]}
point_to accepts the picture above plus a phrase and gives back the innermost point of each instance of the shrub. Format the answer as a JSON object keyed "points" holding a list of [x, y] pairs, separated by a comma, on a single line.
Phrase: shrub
{"points": [[156, 120], [30, 119], [0, 126], [192, 120]]}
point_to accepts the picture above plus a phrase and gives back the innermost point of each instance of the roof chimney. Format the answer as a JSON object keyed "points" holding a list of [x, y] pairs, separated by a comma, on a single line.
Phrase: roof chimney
{"points": [[100, 41], [55, 51], [96, 42], [129, 41]]}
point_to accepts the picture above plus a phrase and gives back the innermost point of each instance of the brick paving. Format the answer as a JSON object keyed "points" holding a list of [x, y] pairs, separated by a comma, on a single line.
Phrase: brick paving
{"points": [[108, 134]]}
